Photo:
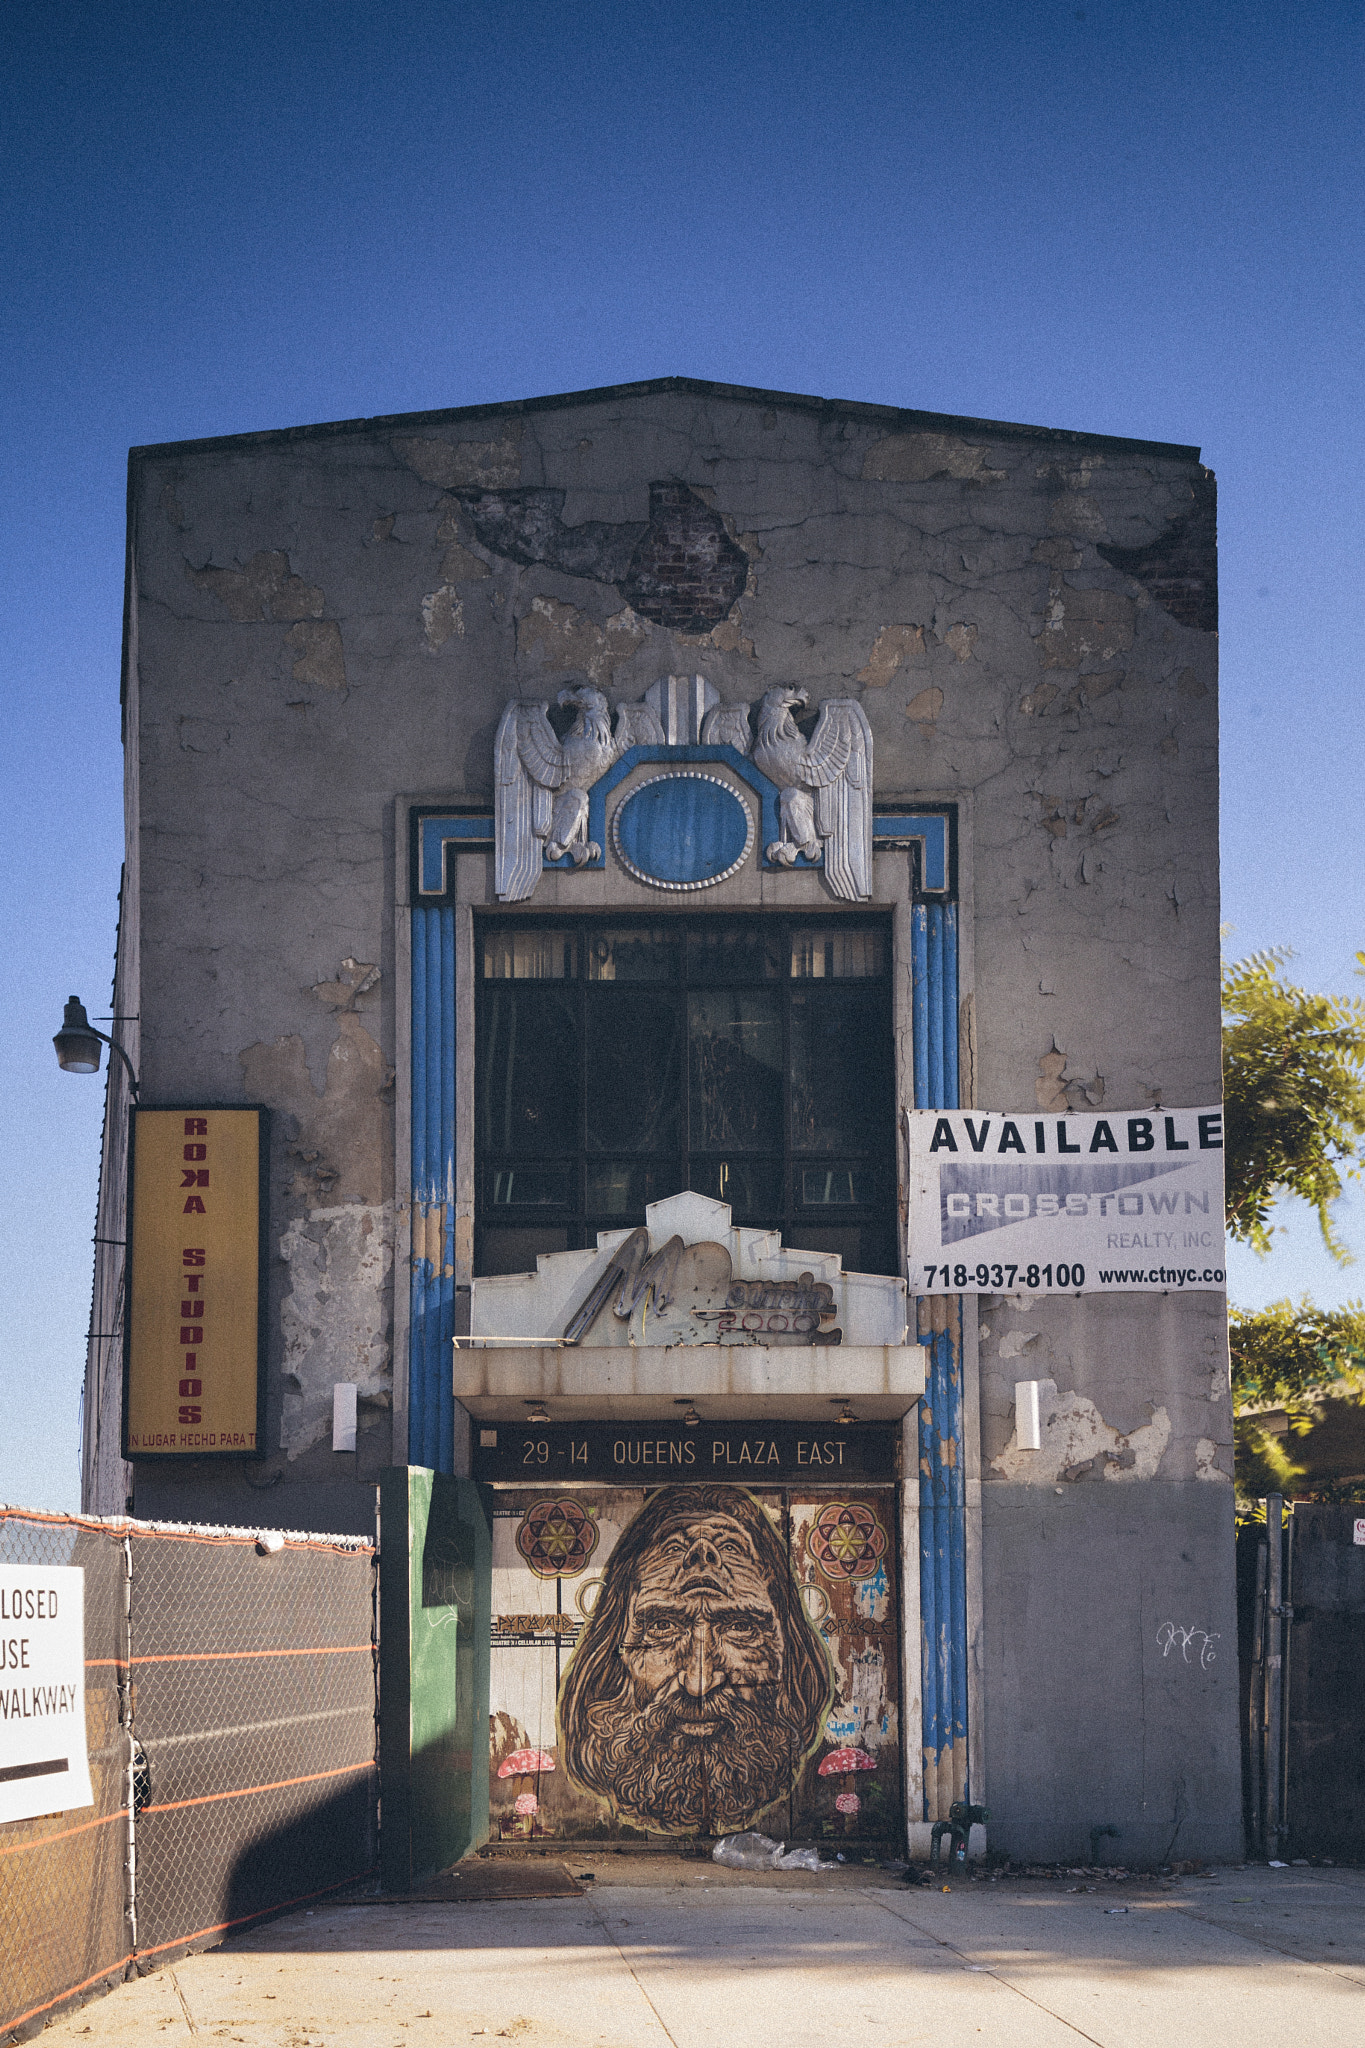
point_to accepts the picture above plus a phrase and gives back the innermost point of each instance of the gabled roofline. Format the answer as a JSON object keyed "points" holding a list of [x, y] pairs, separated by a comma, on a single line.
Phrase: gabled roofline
{"points": [[891, 416]]}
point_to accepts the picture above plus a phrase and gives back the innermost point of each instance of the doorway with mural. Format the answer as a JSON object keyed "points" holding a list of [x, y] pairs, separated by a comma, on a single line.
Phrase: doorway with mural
{"points": [[695, 1659]]}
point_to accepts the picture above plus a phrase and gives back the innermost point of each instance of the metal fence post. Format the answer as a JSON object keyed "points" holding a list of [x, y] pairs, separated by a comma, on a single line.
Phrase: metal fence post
{"points": [[127, 1708], [1273, 1774]]}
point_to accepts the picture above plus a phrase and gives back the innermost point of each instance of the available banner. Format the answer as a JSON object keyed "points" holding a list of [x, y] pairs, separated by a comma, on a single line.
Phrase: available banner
{"points": [[44, 1765], [1065, 1204]]}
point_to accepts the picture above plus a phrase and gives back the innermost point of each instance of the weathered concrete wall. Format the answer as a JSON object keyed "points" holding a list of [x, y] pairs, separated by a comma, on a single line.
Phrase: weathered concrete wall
{"points": [[329, 620]]}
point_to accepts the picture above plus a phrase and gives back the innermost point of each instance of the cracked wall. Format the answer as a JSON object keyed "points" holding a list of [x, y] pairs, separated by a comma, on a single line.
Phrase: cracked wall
{"points": [[329, 620]]}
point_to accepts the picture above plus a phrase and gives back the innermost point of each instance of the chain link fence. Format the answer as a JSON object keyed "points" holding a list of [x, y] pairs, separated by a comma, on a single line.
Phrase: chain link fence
{"points": [[231, 1722], [64, 1890]]}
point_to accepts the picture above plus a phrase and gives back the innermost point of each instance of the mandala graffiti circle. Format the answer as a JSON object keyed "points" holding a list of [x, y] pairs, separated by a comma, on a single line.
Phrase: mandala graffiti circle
{"points": [[846, 1541], [556, 1537]]}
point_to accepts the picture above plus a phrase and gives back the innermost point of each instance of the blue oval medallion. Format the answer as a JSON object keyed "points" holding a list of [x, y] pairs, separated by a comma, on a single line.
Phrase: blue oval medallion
{"points": [[685, 830]]}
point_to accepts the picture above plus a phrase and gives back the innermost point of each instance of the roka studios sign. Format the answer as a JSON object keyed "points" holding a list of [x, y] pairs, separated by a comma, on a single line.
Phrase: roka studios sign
{"points": [[1065, 1204]]}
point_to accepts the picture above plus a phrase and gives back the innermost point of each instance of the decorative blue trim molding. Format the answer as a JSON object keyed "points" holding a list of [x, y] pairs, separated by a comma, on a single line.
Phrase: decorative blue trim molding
{"points": [[682, 830], [942, 1449], [926, 829], [770, 826], [431, 1391], [441, 833]]}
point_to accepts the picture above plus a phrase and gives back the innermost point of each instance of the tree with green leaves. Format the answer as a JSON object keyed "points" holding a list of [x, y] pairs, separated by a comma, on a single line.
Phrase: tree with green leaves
{"points": [[1293, 1096], [1286, 1360], [1294, 1103]]}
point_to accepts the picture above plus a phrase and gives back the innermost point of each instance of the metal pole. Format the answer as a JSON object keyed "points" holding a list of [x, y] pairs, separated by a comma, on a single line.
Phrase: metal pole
{"points": [[1286, 1665], [1274, 1672], [130, 1733], [1256, 1709]]}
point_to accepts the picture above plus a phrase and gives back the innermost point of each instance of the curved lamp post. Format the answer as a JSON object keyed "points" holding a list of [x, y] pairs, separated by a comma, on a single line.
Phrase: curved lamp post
{"points": [[78, 1044]]}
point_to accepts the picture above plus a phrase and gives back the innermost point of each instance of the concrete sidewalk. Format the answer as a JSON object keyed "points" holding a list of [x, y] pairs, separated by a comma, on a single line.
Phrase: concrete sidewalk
{"points": [[660, 1951]]}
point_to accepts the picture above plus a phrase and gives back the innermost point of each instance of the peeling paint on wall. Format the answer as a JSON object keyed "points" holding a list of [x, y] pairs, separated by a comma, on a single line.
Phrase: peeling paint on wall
{"points": [[1084, 625], [565, 638], [922, 458], [263, 588], [488, 464], [1206, 1465], [1076, 512], [893, 647], [1077, 1444], [925, 706], [1055, 1089], [458, 565], [319, 658], [342, 1143], [442, 617], [961, 640], [1179, 568], [333, 1317], [355, 978]]}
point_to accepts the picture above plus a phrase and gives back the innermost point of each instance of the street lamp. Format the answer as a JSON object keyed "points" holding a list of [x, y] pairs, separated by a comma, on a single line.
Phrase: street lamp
{"points": [[78, 1044]]}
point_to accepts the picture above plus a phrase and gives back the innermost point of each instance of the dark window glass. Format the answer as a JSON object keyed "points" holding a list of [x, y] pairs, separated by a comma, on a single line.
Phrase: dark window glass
{"points": [[752, 1187], [836, 1187], [619, 1189], [735, 1069], [731, 952], [515, 1251], [526, 1068], [634, 1078], [839, 1060], [648, 955], [619, 1062], [530, 1187]]}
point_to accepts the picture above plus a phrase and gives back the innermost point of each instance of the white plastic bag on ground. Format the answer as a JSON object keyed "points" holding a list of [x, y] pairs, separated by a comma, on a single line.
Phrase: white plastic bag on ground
{"points": [[747, 1851], [798, 1859]]}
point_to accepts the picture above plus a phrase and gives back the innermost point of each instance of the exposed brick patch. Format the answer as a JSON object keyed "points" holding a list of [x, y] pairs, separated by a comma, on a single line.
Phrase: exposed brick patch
{"points": [[680, 569], [1180, 568], [686, 571]]}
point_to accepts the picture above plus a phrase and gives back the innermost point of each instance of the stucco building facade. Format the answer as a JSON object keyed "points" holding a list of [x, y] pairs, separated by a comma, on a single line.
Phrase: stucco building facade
{"points": [[497, 1030]]}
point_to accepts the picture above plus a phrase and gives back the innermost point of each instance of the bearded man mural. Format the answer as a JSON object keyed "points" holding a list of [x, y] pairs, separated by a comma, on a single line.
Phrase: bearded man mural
{"points": [[699, 1686]]}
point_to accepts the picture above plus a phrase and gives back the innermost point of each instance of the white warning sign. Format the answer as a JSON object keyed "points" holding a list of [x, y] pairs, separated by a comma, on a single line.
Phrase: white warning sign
{"points": [[44, 1765]]}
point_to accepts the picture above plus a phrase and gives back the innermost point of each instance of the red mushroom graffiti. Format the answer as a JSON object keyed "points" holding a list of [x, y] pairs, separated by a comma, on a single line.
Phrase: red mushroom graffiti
{"points": [[526, 1764], [843, 1763]]}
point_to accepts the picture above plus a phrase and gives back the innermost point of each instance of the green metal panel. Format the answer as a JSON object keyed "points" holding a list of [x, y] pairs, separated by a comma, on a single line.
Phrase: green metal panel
{"points": [[435, 1587]]}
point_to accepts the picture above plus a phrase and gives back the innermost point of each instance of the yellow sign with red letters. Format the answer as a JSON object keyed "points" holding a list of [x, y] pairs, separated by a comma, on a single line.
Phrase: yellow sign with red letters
{"points": [[192, 1360]]}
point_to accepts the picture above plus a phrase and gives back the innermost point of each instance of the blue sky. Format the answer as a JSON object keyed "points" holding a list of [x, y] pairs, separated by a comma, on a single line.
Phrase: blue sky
{"points": [[1140, 219]]}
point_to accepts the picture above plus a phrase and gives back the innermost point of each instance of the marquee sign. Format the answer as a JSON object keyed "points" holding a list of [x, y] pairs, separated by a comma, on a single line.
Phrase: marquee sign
{"points": [[1088, 1204], [664, 1453], [194, 1350]]}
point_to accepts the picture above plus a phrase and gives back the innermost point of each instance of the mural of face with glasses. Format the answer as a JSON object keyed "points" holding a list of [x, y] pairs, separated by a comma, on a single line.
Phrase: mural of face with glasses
{"points": [[699, 1686]]}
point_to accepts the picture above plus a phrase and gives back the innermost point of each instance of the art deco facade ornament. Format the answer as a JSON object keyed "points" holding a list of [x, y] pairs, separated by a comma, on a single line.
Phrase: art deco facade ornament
{"points": [[817, 793]]}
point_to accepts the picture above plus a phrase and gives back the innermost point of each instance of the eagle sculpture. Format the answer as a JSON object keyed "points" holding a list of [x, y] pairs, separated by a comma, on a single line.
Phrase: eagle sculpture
{"points": [[543, 781], [825, 802]]}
